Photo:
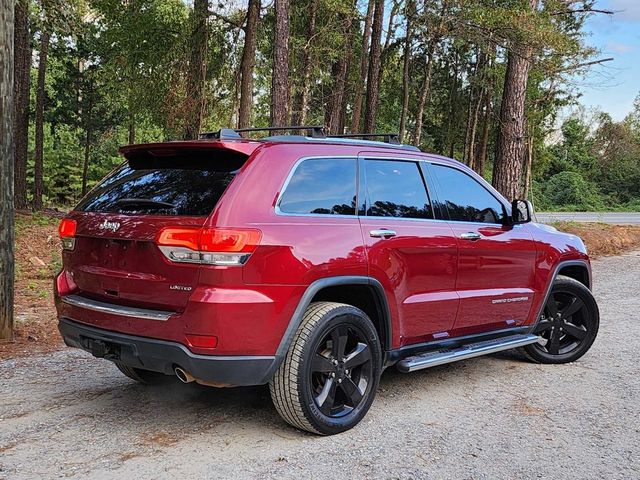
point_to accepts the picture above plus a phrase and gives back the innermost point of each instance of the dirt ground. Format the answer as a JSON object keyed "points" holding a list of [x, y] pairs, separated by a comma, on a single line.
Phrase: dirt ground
{"points": [[67, 415]]}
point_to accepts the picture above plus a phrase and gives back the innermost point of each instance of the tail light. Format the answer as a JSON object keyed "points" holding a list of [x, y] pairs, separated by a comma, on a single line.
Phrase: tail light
{"points": [[210, 246], [67, 232]]}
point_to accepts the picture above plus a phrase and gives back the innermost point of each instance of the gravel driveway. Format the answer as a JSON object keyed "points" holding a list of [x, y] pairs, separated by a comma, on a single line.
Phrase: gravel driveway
{"points": [[68, 415]]}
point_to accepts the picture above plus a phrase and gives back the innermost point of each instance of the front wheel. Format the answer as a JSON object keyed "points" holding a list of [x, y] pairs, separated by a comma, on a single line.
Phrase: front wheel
{"points": [[568, 325], [329, 377]]}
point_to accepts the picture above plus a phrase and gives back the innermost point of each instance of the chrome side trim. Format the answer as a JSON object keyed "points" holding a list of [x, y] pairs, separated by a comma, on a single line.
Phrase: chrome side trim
{"points": [[440, 357], [103, 307]]}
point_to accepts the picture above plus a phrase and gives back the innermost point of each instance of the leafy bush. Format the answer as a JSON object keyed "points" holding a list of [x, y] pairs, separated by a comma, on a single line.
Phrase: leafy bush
{"points": [[568, 191]]}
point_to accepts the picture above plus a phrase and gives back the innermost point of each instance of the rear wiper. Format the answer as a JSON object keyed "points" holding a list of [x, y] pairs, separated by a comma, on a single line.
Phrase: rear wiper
{"points": [[144, 203]]}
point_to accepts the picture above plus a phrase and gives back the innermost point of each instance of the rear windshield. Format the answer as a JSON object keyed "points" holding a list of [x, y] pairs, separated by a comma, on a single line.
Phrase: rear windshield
{"points": [[179, 187]]}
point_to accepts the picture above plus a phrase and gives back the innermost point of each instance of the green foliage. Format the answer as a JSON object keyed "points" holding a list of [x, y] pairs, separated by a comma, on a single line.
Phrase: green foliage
{"points": [[118, 70]]}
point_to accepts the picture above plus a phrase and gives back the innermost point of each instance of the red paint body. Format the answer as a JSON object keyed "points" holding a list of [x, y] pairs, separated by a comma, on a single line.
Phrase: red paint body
{"points": [[436, 285]]}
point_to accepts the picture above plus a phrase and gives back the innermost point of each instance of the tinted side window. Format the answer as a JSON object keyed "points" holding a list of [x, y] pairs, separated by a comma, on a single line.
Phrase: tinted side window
{"points": [[321, 186], [464, 198], [396, 189]]}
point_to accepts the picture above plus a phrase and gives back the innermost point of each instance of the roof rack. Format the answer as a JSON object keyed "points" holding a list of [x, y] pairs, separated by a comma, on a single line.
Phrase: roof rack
{"points": [[393, 138], [314, 131]]}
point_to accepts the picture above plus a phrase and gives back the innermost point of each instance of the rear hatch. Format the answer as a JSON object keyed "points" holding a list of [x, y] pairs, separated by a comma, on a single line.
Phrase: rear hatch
{"points": [[115, 258]]}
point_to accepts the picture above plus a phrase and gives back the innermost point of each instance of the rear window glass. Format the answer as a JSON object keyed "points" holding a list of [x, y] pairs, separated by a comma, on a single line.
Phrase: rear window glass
{"points": [[321, 186], [159, 189]]}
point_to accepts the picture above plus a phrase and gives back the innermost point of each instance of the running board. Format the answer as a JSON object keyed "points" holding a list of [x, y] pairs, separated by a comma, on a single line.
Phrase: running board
{"points": [[470, 350]]}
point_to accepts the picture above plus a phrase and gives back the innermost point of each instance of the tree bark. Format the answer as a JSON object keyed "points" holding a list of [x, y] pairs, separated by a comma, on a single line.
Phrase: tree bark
{"points": [[364, 61], [247, 64], [196, 74], [481, 158], [39, 134], [409, 13], [280, 75], [6, 170], [88, 124], [302, 98], [339, 70], [373, 73], [22, 79], [528, 164], [424, 94], [507, 167], [387, 41], [475, 103]]}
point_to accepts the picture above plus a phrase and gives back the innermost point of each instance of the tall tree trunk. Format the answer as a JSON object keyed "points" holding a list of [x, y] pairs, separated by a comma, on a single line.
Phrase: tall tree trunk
{"points": [[196, 74], [364, 61], [373, 73], [424, 94], [528, 164], [481, 157], [247, 63], [339, 70], [6, 170], [475, 103], [280, 75], [426, 86], [507, 167], [409, 13], [132, 127], [39, 134], [302, 100], [22, 77], [88, 124], [451, 138], [387, 41]]}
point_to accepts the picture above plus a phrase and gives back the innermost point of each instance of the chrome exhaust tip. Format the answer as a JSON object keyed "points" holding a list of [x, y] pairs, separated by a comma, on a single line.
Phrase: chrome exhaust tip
{"points": [[183, 375]]}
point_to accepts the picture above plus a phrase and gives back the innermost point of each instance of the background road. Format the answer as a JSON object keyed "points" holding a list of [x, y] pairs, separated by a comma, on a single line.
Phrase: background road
{"points": [[71, 416], [602, 217]]}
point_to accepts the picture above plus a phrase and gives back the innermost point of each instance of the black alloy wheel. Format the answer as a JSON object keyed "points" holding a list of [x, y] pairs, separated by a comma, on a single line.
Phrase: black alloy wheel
{"points": [[568, 324], [341, 370], [329, 377]]}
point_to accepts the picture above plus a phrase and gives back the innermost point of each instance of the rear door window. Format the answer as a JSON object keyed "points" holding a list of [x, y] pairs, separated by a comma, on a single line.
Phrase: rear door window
{"points": [[396, 189], [321, 186], [180, 187]]}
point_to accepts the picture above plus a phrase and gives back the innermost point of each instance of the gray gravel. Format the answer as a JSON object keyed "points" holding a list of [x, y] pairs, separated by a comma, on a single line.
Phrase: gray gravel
{"points": [[67, 415]]}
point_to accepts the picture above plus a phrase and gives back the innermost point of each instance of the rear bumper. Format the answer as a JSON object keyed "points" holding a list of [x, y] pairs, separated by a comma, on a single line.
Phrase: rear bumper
{"points": [[164, 356]]}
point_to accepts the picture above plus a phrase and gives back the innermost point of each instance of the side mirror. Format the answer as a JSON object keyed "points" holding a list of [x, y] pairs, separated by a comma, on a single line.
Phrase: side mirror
{"points": [[521, 211]]}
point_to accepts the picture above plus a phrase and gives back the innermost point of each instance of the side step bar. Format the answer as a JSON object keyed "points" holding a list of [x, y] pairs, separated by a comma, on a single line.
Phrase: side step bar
{"points": [[470, 350]]}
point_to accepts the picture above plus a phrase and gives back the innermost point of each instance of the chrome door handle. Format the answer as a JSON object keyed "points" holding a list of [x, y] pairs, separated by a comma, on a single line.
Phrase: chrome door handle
{"points": [[473, 236], [382, 233]]}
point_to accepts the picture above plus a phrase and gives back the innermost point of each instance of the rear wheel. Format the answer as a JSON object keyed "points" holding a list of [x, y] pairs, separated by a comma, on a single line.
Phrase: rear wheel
{"points": [[328, 379], [142, 376], [568, 325]]}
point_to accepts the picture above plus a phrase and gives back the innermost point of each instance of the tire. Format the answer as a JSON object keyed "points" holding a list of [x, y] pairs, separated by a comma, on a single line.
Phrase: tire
{"points": [[143, 376], [568, 324], [316, 390]]}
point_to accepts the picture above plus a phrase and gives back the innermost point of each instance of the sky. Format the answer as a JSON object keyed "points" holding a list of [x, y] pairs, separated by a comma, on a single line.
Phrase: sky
{"points": [[614, 85]]}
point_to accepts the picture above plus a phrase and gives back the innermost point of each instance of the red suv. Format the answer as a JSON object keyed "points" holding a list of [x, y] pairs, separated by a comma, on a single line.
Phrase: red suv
{"points": [[312, 263]]}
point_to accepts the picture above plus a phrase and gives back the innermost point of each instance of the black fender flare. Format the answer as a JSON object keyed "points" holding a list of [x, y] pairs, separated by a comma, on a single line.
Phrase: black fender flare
{"points": [[305, 300]]}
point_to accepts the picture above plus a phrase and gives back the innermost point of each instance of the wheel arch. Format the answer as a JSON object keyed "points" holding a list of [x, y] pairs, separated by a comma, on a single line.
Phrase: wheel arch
{"points": [[577, 269], [339, 289]]}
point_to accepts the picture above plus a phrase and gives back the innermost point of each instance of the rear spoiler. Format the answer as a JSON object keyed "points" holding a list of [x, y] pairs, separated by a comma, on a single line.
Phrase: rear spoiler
{"points": [[196, 150]]}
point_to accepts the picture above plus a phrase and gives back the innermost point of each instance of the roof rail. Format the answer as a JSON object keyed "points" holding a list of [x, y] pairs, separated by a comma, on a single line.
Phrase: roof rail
{"points": [[314, 131], [393, 138]]}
